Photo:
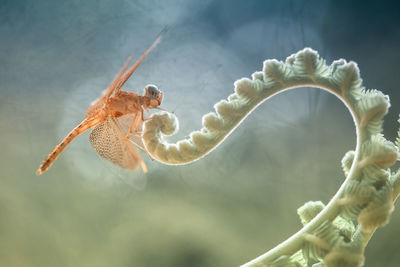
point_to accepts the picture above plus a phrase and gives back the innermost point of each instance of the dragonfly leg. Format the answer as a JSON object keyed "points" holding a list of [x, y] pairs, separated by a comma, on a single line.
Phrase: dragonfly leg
{"points": [[133, 123], [141, 148], [164, 110], [142, 120], [148, 112], [137, 145]]}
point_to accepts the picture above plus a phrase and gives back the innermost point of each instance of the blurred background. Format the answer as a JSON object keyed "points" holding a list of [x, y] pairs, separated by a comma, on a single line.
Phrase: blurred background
{"points": [[238, 202]]}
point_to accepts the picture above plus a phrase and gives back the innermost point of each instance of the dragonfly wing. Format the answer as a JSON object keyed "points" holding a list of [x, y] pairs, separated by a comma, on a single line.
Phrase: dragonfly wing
{"points": [[132, 69], [99, 103], [95, 107], [125, 123], [108, 140]]}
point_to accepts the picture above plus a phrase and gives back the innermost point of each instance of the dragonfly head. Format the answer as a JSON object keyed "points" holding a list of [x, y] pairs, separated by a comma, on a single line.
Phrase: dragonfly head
{"points": [[155, 95]]}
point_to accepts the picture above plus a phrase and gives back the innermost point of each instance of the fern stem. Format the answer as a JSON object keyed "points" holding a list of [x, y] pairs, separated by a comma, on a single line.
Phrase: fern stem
{"points": [[332, 209]]}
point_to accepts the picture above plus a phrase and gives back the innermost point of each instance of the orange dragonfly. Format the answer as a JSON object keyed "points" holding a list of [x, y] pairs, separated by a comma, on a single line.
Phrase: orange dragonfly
{"points": [[116, 118]]}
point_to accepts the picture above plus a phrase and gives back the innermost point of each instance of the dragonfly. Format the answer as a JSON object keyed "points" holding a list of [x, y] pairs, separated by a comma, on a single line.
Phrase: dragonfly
{"points": [[116, 119]]}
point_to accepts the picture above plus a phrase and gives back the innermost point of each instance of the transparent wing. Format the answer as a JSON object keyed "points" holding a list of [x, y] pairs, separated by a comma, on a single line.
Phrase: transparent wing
{"points": [[99, 103], [109, 141], [140, 60], [125, 122]]}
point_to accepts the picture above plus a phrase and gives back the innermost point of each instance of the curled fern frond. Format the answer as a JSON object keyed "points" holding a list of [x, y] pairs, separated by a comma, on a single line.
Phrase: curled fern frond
{"points": [[258, 75], [356, 196], [347, 161], [351, 212], [345, 228], [343, 257], [379, 151], [276, 72], [395, 182], [369, 190], [214, 123], [375, 176], [234, 108], [347, 77], [335, 64], [378, 211], [249, 90], [307, 63], [347, 254], [296, 260], [320, 241], [358, 192], [398, 137], [372, 106], [309, 210]]}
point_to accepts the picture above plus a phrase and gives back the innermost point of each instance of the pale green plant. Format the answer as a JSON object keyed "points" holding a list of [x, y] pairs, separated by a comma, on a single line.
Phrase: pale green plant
{"points": [[335, 234]]}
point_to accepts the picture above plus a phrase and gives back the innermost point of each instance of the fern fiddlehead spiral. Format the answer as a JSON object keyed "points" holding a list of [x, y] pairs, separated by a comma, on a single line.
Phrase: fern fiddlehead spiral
{"points": [[329, 236]]}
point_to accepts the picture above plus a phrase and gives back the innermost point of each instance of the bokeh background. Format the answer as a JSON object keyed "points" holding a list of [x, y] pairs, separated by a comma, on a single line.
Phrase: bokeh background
{"points": [[238, 202]]}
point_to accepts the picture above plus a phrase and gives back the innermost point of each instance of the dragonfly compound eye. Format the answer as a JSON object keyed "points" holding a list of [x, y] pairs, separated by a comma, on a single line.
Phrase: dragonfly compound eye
{"points": [[152, 91]]}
